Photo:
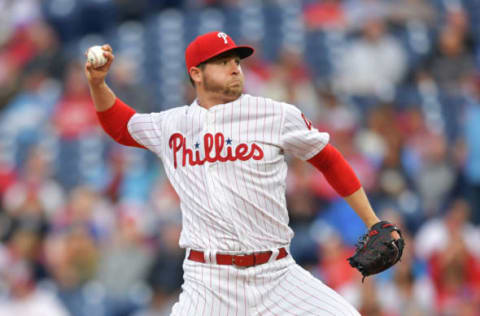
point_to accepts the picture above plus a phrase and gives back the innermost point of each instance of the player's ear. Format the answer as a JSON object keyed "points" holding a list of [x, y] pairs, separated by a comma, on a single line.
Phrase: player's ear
{"points": [[196, 74]]}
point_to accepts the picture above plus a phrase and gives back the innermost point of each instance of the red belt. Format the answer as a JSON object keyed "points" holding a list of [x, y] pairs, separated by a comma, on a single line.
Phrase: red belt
{"points": [[249, 260]]}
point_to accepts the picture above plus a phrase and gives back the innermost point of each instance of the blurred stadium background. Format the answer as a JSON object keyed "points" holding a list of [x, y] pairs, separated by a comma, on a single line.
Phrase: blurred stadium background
{"points": [[89, 227]]}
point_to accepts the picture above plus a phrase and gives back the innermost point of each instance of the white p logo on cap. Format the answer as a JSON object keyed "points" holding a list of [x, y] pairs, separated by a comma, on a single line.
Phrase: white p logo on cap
{"points": [[224, 36]]}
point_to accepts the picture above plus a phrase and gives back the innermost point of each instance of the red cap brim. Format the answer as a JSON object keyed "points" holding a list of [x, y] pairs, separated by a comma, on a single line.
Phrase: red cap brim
{"points": [[242, 51]]}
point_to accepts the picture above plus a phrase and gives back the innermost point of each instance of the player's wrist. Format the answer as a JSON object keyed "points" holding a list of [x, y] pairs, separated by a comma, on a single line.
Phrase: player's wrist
{"points": [[372, 221], [96, 83]]}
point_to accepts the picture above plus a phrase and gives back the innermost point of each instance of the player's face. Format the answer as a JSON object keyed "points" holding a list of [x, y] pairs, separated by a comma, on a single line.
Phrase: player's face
{"points": [[223, 76]]}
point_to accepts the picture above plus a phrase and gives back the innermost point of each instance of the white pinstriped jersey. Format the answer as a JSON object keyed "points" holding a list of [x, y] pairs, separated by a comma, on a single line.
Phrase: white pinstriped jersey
{"points": [[227, 165]]}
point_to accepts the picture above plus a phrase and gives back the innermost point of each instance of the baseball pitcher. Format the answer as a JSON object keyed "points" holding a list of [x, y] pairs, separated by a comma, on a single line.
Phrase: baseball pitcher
{"points": [[224, 155]]}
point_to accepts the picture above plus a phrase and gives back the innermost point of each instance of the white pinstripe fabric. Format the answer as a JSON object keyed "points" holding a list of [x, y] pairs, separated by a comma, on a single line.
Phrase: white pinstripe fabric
{"points": [[231, 205], [278, 288], [237, 206]]}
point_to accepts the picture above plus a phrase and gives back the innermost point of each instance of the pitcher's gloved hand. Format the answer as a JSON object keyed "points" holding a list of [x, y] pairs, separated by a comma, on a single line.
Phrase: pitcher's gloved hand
{"points": [[377, 250]]}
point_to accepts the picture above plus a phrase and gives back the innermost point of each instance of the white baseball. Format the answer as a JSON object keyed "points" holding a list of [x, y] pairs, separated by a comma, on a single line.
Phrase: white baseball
{"points": [[95, 56]]}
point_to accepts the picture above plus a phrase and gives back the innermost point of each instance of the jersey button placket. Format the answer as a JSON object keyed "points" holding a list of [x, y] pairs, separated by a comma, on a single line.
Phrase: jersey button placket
{"points": [[210, 120]]}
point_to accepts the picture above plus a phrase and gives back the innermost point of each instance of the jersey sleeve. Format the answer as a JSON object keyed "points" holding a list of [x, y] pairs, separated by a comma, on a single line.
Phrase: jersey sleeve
{"points": [[298, 136], [146, 129]]}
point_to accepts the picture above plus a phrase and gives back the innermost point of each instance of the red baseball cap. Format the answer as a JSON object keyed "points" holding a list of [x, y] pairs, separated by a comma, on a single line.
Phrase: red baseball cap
{"points": [[212, 44]]}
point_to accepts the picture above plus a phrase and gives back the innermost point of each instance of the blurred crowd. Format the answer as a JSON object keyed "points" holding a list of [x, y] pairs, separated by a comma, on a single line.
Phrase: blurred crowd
{"points": [[88, 227]]}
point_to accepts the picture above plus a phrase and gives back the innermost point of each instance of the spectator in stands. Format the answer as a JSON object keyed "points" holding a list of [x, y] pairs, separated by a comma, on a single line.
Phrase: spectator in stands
{"points": [[333, 113], [72, 258], [374, 63], [123, 80], [456, 275], [435, 177], [16, 53], [48, 54], [453, 61], [24, 120], [453, 254], [35, 197], [25, 244], [125, 259], [74, 116], [25, 297], [408, 289], [17, 14], [88, 209], [437, 233], [291, 81]]}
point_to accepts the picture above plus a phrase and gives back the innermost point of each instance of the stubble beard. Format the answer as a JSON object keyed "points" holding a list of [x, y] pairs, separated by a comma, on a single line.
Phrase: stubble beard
{"points": [[227, 91]]}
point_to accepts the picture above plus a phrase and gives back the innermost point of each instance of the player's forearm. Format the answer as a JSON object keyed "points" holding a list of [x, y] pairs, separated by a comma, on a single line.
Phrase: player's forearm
{"points": [[358, 201], [342, 178], [103, 97]]}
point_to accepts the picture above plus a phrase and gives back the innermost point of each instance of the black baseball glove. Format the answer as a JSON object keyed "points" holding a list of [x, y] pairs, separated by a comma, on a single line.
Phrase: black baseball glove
{"points": [[377, 250]]}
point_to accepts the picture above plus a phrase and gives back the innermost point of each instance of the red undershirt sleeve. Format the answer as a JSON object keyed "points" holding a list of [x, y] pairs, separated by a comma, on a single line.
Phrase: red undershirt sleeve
{"points": [[336, 170], [114, 122]]}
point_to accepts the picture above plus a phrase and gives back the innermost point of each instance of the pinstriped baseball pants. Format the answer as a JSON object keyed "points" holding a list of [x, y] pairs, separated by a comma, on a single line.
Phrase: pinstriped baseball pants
{"points": [[279, 287]]}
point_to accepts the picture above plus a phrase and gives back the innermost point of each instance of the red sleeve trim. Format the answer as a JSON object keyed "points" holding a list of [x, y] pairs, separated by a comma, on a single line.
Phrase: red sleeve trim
{"points": [[114, 122], [336, 170]]}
